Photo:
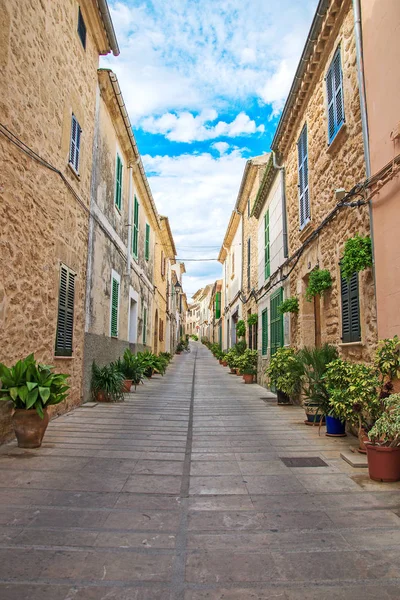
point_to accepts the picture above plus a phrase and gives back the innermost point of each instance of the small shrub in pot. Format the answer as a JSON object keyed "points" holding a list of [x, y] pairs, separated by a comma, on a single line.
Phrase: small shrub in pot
{"points": [[107, 383], [383, 449], [284, 373]]}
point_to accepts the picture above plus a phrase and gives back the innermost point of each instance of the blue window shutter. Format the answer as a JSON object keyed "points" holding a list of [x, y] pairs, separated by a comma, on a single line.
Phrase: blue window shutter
{"points": [[334, 85], [147, 243], [304, 200], [118, 183], [75, 144]]}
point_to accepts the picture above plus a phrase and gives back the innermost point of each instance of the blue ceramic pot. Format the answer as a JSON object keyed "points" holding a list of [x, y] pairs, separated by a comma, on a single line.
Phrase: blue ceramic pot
{"points": [[335, 426]]}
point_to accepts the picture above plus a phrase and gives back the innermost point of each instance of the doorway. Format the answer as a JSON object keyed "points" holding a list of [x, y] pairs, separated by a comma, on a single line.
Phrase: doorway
{"points": [[133, 321]]}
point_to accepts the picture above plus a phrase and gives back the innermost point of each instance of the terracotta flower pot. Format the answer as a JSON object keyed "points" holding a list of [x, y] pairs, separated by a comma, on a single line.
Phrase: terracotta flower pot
{"points": [[248, 377], [224, 363], [363, 439], [29, 427], [233, 371], [383, 463], [102, 397], [127, 385], [220, 361]]}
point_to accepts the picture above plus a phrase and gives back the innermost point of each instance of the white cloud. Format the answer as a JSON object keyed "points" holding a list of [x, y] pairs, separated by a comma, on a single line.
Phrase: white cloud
{"points": [[221, 147], [197, 192], [191, 56], [185, 127]]}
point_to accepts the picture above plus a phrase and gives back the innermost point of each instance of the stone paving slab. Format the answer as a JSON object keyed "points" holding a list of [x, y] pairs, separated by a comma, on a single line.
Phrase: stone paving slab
{"points": [[180, 493]]}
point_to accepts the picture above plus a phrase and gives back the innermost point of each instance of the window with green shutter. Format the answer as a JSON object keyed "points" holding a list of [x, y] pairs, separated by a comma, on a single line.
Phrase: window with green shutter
{"points": [[264, 331], [147, 243], [218, 305], [65, 318], [135, 236], [351, 326], [114, 306], [144, 325], [267, 254], [276, 321], [118, 183]]}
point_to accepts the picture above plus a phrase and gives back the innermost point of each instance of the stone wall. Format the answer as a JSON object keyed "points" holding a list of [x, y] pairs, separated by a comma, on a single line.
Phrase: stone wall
{"points": [[46, 76], [340, 165]]}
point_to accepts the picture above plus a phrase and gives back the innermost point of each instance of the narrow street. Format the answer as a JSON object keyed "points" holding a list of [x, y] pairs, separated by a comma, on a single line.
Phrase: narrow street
{"points": [[180, 493]]}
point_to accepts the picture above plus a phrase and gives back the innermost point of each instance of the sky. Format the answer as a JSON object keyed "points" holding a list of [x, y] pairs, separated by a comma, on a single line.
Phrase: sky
{"points": [[204, 82]]}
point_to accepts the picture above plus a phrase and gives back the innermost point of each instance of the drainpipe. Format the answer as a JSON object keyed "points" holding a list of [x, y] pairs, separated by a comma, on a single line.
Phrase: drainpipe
{"points": [[129, 241], [364, 115], [281, 168]]}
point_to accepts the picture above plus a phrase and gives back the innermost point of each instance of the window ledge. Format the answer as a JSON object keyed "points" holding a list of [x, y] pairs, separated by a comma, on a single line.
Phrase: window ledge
{"points": [[74, 172], [117, 210], [338, 139], [64, 357], [350, 344], [305, 232]]}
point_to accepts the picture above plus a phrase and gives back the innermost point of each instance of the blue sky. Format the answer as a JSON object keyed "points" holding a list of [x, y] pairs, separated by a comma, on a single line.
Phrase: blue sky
{"points": [[204, 82]]}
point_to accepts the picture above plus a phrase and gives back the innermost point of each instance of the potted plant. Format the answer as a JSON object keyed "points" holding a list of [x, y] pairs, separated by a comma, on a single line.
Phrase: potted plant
{"points": [[290, 305], [240, 329], [284, 373], [180, 348], [231, 358], [353, 391], [357, 255], [31, 387], [132, 369], [107, 383], [248, 364], [383, 448], [387, 361], [223, 359], [316, 396], [319, 281]]}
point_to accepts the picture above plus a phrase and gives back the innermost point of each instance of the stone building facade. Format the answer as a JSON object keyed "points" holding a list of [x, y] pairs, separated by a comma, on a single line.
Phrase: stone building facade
{"points": [[269, 211], [49, 54], [319, 142], [129, 244]]}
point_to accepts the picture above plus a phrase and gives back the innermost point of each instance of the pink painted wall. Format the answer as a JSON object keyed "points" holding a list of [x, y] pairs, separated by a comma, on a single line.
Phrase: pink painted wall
{"points": [[381, 41]]}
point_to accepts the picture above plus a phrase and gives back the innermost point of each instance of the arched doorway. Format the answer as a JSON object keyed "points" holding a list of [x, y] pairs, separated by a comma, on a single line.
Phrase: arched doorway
{"points": [[155, 343]]}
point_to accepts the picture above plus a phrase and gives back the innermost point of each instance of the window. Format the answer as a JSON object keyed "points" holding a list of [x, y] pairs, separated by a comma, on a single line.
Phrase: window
{"points": [[65, 319], [304, 200], [147, 243], [334, 89], [218, 305], [233, 265], [248, 263], [81, 28], [264, 332], [75, 144], [144, 325], [135, 236], [115, 285], [162, 264], [118, 183], [276, 321], [351, 328], [267, 254]]}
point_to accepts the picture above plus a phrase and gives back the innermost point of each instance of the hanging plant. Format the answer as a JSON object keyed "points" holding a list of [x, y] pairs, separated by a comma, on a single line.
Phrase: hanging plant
{"points": [[290, 305], [357, 255], [252, 319], [319, 281], [240, 328]]}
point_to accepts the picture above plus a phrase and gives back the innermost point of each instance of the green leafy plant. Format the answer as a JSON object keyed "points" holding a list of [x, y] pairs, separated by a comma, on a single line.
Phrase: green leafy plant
{"points": [[240, 328], [319, 281], [353, 390], [32, 385], [151, 363], [314, 363], [357, 255], [387, 359], [290, 305], [107, 380], [240, 346], [386, 430], [252, 319], [166, 355], [180, 347], [195, 338], [284, 372], [231, 358], [247, 362]]}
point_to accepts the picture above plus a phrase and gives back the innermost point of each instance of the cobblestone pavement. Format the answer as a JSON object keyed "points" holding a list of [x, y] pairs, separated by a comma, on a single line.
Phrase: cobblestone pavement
{"points": [[180, 493]]}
